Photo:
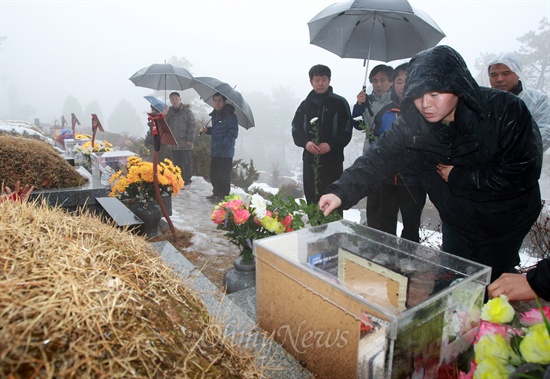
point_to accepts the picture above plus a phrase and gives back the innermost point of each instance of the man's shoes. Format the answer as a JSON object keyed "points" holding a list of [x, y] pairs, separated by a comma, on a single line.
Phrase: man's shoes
{"points": [[212, 197]]}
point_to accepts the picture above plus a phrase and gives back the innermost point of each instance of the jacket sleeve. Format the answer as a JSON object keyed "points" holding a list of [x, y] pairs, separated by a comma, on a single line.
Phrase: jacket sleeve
{"points": [[358, 110], [387, 155], [539, 279], [191, 127], [299, 127], [541, 113], [232, 131], [517, 156], [342, 126]]}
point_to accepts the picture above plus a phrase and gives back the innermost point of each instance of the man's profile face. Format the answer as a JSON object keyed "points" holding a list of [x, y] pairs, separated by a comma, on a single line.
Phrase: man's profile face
{"points": [[501, 77], [320, 84]]}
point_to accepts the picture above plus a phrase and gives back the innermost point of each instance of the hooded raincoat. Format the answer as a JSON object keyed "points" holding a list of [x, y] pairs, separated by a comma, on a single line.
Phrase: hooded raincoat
{"points": [[536, 101], [493, 144]]}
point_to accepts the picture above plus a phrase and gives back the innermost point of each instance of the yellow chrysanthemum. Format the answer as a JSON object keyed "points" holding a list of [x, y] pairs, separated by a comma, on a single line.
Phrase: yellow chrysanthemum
{"points": [[498, 310], [535, 346]]}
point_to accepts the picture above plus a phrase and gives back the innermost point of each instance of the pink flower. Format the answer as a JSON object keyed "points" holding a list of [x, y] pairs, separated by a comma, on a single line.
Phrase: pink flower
{"points": [[287, 220], [240, 216], [534, 316], [487, 327], [218, 215], [234, 204]]}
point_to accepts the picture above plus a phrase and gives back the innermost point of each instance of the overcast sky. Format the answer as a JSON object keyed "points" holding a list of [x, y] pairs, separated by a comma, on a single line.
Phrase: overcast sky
{"points": [[89, 49]]}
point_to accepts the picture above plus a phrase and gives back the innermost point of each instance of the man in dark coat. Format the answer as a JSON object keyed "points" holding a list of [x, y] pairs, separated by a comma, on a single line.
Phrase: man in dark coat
{"points": [[478, 154], [224, 133], [321, 126]]}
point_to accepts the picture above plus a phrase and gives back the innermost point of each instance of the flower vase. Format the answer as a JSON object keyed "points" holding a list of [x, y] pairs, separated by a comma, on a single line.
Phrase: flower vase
{"points": [[241, 276], [150, 214]]}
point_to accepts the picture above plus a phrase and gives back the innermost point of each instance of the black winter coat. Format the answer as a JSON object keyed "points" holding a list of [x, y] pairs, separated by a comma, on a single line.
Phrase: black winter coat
{"points": [[333, 115], [493, 144]]}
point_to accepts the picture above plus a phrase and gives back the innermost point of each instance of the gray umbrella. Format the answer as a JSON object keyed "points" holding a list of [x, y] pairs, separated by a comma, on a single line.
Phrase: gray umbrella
{"points": [[206, 87], [163, 76], [382, 30]]}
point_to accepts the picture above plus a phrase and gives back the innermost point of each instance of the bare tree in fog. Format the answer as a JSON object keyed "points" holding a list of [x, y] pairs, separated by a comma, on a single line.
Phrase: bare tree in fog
{"points": [[125, 119], [92, 108], [72, 105]]}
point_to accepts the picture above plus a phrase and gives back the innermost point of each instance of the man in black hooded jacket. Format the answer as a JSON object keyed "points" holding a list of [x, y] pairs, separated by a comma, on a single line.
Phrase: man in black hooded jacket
{"points": [[478, 154]]}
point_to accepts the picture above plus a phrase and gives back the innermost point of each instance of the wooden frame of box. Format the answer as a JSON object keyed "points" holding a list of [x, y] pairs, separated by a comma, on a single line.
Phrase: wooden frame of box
{"points": [[307, 301]]}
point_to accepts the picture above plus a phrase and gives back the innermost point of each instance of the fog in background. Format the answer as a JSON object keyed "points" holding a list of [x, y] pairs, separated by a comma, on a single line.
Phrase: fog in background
{"points": [[55, 53]]}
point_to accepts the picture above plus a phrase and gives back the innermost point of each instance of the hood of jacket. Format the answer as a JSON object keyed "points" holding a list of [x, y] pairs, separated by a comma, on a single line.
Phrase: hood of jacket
{"points": [[511, 60], [440, 69]]}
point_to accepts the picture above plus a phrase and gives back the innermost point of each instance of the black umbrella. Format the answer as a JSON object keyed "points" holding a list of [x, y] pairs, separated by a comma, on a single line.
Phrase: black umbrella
{"points": [[382, 30], [206, 87]]}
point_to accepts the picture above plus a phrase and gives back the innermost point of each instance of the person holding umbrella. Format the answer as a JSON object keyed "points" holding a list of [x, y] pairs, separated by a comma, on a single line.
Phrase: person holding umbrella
{"points": [[381, 79], [181, 121], [224, 132], [476, 150]]}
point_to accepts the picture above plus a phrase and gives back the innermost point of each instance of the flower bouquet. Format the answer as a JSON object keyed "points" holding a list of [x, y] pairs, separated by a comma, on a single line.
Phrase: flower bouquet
{"points": [[61, 135], [508, 345], [138, 183], [83, 152], [253, 217]]}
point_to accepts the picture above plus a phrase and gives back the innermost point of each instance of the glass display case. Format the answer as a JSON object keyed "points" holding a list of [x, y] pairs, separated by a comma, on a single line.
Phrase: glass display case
{"points": [[349, 301], [106, 164]]}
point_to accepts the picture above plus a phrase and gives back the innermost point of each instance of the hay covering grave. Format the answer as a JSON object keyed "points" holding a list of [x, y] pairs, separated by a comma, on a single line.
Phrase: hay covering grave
{"points": [[35, 162], [80, 298]]}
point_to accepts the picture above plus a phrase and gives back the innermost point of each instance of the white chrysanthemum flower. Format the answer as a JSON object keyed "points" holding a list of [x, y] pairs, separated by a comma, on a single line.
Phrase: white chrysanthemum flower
{"points": [[358, 118], [314, 120], [259, 204]]}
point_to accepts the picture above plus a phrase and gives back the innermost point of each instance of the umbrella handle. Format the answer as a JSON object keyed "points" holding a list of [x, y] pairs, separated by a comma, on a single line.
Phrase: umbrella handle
{"points": [[368, 103]]}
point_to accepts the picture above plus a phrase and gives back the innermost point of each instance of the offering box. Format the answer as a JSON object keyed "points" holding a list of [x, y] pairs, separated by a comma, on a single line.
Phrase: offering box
{"points": [[69, 146], [106, 164], [348, 301]]}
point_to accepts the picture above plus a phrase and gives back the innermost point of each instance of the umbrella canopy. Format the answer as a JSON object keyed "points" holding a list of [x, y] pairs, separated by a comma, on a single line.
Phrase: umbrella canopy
{"points": [[382, 30], [163, 76], [157, 103], [206, 87]]}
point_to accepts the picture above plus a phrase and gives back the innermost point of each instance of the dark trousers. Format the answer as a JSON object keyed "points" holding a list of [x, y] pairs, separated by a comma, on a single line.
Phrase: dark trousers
{"points": [[329, 171], [184, 159], [501, 256], [383, 207], [220, 175]]}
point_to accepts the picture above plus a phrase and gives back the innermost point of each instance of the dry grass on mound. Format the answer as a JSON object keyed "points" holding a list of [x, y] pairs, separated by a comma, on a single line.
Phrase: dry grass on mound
{"points": [[36, 163], [79, 298]]}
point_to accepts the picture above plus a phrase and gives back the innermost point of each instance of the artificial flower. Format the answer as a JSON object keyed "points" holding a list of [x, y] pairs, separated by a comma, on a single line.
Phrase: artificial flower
{"points": [[99, 147], [491, 368], [534, 316], [138, 183], [246, 220], [505, 342], [492, 346], [498, 310], [535, 346]]}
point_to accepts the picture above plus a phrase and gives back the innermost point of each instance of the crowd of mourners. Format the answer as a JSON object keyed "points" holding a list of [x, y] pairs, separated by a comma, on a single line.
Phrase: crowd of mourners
{"points": [[430, 130]]}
